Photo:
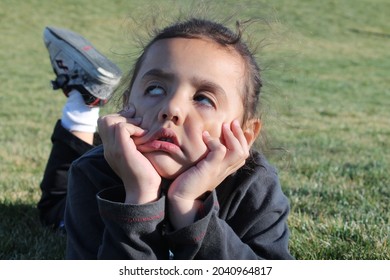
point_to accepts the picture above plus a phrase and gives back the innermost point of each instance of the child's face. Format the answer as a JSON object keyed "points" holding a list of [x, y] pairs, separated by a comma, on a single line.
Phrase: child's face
{"points": [[183, 88]]}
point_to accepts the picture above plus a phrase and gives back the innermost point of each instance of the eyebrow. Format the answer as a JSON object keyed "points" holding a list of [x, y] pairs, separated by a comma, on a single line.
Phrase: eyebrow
{"points": [[209, 85], [197, 81], [158, 73]]}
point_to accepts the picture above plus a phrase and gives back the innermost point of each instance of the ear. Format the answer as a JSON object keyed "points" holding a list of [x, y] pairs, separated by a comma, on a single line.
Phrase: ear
{"points": [[251, 130]]}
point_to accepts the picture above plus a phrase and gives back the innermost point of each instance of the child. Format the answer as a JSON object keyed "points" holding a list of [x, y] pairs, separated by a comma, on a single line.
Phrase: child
{"points": [[176, 176], [87, 78]]}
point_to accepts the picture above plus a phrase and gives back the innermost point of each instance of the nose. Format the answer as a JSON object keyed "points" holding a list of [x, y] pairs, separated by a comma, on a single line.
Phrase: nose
{"points": [[172, 110]]}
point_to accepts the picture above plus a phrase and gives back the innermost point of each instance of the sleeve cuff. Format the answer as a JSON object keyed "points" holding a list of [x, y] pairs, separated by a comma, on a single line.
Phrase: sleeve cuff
{"points": [[112, 207]]}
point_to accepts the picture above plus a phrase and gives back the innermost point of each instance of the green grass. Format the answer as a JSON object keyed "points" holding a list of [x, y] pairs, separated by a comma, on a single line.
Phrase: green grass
{"points": [[326, 104]]}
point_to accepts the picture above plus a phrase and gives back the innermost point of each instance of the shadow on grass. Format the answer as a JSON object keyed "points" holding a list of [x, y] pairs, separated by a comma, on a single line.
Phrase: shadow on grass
{"points": [[23, 237]]}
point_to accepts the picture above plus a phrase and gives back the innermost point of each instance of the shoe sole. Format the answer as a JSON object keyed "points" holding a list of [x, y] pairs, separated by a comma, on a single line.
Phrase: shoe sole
{"points": [[80, 50]]}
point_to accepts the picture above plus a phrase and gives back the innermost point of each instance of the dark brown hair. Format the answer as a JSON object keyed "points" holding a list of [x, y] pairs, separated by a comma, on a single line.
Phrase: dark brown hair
{"points": [[218, 33]]}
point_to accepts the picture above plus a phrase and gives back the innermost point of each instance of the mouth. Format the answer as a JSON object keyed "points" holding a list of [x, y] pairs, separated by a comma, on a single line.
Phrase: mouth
{"points": [[165, 135], [164, 140]]}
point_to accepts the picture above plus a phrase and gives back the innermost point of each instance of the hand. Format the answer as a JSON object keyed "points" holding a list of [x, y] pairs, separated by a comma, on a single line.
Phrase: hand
{"points": [[221, 161], [141, 180]]}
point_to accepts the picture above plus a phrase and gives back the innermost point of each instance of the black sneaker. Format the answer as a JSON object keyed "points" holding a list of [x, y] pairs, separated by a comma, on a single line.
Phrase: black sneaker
{"points": [[78, 65]]}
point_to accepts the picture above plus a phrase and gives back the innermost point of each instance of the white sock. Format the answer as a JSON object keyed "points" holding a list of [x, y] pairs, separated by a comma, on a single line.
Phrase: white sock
{"points": [[76, 116]]}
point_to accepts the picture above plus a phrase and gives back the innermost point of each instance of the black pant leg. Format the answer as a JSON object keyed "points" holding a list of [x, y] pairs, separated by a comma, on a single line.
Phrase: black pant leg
{"points": [[66, 148]]}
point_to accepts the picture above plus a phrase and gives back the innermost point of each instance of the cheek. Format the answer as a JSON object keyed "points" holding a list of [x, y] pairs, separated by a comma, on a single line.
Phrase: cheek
{"points": [[214, 129], [199, 148], [214, 125], [143, 109]]}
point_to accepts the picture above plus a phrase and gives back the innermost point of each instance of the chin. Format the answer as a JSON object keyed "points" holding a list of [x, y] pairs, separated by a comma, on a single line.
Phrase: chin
{"points": [[165, 166]]}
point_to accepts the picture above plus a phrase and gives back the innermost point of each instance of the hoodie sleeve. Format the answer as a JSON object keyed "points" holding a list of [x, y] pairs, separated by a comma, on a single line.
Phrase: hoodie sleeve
{"points": [[250, 223], [131, 231], [99, 225]]}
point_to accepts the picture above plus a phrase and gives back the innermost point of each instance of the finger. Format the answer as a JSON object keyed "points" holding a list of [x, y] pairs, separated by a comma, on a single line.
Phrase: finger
{"points": [[113, 119], [108, 126], [123, 133], [240, 136], [229, 139], [219, 157], [119, 144], [233, 137], [129, 115], [132, 130], [236, 144], [217, 151], [128, 111]]}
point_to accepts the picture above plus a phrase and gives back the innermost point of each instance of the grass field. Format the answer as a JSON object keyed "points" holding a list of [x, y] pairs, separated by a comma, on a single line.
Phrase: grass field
{"points": [[327, 100]]}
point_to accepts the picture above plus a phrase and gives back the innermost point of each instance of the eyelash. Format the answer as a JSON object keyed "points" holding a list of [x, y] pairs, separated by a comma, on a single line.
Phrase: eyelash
{"points": [[210, 101], [154, 87], [198, 97]]}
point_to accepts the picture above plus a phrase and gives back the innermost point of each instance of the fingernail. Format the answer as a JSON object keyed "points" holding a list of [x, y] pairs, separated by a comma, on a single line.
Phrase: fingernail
{"points": [[226, 126], [128, 108], [127, 112]]}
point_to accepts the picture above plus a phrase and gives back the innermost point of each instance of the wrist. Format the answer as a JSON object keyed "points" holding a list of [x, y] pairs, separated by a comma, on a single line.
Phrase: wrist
{"points": [[183, 212], [141, 193], [141, 197]]}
